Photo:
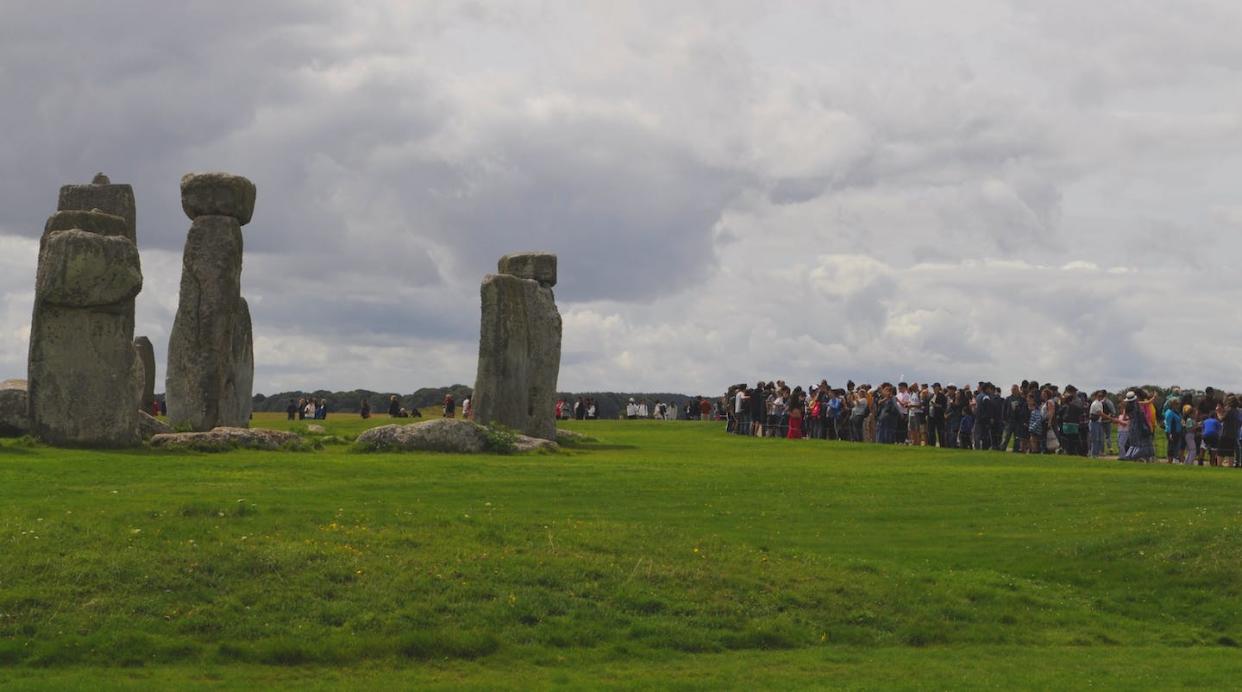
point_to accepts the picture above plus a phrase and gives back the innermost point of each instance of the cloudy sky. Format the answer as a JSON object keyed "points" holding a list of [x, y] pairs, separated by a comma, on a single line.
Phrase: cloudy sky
{"points": [[736, 190]]}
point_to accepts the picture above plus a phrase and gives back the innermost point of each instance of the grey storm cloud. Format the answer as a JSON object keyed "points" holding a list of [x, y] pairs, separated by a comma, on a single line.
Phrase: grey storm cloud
{"points": [[735, 190]]}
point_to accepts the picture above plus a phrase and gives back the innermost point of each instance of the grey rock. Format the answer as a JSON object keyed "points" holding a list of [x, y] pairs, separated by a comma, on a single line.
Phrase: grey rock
{"points": [[240, 389], [112, 199], [224, 438], [519, 356], [101, 179], [94, 221], [149, 426], [316, 429], [217, 194], [146, 358], [82, 269], [14, 409], [83, 376], [204, 381], [439, 435], [538, 266]]}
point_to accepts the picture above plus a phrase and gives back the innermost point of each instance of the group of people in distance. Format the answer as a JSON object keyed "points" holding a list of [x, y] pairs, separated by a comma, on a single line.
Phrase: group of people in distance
{"points": [[312, 408], [1032, 418], [396, 410], [584, 408], [697, 408]]}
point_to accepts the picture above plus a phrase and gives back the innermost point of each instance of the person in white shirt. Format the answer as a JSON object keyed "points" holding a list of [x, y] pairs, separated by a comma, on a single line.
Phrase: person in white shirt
{"points": [[631, 410], [643, 411], [903, 409]]}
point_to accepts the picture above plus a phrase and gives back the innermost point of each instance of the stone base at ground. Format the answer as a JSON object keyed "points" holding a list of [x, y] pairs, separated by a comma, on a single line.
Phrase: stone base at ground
{"points": [[224, 439], [14, 409], [440, 435], [149, 426]]}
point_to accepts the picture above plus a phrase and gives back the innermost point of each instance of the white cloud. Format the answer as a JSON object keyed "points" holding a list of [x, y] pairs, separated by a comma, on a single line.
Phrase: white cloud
{"points": [[967, 190]]}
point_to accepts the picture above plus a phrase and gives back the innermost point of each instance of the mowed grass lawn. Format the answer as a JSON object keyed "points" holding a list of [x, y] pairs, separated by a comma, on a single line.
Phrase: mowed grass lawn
{"points": [[664, 555]]}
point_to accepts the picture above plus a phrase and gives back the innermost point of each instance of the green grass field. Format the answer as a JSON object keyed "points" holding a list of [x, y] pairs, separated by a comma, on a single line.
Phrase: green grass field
{"points": [[663, 555]]}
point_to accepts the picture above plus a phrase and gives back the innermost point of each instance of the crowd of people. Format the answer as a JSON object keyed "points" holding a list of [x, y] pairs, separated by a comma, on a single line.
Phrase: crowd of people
{"points": [[1033, 418]]}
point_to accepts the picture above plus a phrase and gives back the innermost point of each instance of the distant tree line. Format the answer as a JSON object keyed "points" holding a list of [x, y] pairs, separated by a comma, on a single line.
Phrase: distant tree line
{"points": [[607, 404], [348, 402]]}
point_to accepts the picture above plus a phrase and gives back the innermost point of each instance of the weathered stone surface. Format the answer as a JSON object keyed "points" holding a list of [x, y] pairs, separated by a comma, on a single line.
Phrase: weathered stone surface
{"points": [[83, 269], [519, 356], [205, 383], [217, 194], [538, 266], [149, 426], [241, 387], [146, 358], [14, 409], [439, 435], [94, 221], [84, 378], [224, 439], [111, 199], [316, 429]]}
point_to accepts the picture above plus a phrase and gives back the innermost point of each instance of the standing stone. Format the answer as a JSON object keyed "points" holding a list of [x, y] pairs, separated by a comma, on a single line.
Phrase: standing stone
{"points": [[210, 370], [14, 408], [84, 378], [146, 356], [519, 346]]}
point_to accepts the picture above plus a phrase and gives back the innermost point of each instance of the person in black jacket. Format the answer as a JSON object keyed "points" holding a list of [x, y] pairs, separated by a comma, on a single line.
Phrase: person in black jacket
{"points": [[1016, 418]]}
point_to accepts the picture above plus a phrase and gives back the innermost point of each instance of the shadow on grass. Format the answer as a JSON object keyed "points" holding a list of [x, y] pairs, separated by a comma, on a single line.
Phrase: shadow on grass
{"points": [[15, 451]]}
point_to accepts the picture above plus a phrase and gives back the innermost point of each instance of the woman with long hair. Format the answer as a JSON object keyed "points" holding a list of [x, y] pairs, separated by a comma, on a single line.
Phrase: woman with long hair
{"points": [[1139, 440], [796, 407]]}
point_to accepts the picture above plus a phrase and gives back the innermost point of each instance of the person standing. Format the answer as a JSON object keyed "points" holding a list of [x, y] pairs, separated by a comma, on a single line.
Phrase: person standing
{"points": [[936, 405], [1015, 419], [292, 409], [1173, 432], [981, 426], [1110, 414], [1189, 427], [450, 406], [796, 408], [1034, 425], [394, 406], [465, 408], [1095, 421], [916, 416], [364, 409], [953, 416]]}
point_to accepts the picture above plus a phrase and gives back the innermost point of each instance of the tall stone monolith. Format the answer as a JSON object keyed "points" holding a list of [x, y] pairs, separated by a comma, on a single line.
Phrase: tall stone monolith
{"points": [[83, 376], [519, 346], [210, 352], [146, 356]]}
